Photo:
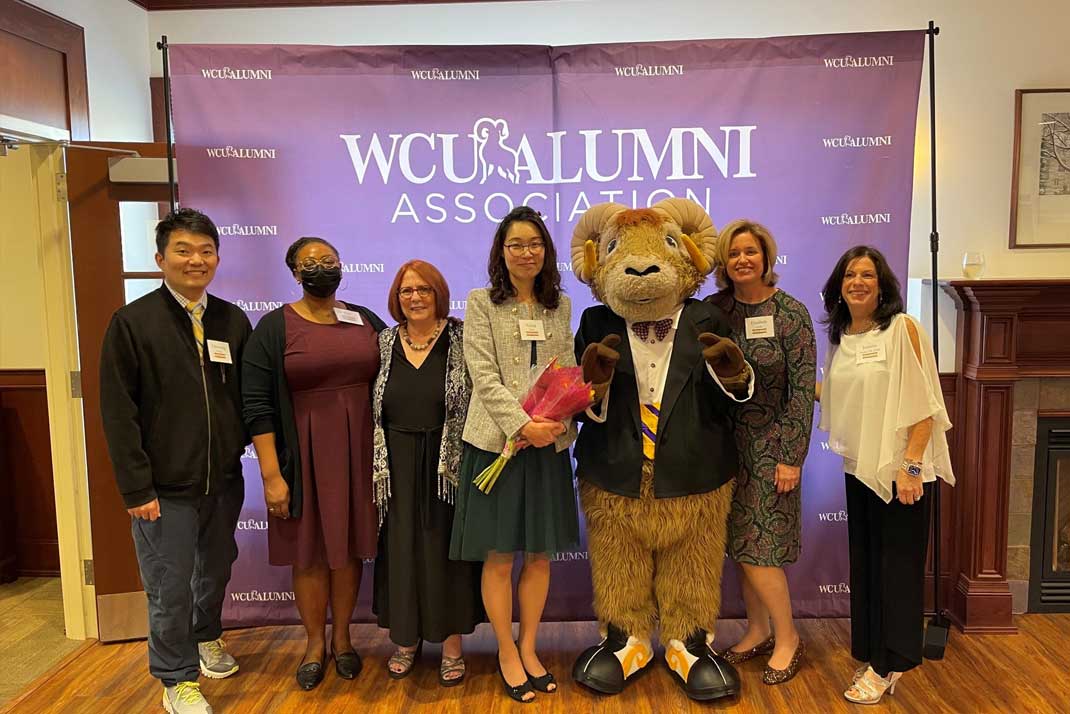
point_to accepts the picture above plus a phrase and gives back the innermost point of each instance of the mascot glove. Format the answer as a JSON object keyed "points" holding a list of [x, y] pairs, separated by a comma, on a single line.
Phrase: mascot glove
{"points": [[723, 355], [599, 361]]}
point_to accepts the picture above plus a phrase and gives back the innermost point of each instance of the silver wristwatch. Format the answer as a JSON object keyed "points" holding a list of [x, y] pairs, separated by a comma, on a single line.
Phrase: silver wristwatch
{"points": [[911, 467]]}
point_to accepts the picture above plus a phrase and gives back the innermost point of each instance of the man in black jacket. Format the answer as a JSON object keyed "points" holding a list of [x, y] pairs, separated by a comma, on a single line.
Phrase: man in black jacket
{"points": [[171, 403]]}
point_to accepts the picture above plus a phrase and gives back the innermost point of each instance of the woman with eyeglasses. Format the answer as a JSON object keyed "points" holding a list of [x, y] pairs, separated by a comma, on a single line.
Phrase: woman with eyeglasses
{"points": [[419, 405], [521, 321], [306, 384]]}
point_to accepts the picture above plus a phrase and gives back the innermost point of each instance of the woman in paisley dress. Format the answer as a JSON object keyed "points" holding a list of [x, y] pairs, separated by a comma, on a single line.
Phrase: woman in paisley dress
{"points": [[773, 435]]}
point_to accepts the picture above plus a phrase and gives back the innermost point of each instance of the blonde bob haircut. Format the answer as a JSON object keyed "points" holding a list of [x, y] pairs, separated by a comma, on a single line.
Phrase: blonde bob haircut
{"points": [[765, 240]]}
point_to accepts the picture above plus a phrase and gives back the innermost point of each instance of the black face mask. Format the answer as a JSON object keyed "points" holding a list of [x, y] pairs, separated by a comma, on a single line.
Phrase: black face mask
{"points": [[321, 282]]}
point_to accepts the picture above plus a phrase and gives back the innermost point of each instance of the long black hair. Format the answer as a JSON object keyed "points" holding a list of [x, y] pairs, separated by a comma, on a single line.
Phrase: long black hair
{"points": [[547, 282], [890, 302]]}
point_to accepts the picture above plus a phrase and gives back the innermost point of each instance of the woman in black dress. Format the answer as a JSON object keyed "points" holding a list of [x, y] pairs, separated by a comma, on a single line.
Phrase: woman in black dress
{"points": [[419, 405]]}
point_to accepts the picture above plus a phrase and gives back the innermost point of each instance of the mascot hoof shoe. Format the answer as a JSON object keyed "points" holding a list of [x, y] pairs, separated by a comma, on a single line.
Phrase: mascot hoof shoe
{"points": [[608, 666], [702, 674]]}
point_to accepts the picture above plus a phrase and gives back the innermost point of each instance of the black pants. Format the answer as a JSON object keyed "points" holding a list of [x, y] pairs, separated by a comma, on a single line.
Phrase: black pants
{"points": [[185, 557], [888, 543]]}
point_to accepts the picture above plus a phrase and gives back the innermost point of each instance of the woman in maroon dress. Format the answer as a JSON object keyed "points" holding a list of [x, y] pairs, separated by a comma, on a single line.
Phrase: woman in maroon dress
{"points": [[306, 380]]}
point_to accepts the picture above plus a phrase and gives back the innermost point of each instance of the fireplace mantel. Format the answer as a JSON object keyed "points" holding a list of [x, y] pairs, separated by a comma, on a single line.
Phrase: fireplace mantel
{"points": [[1007, 330]]}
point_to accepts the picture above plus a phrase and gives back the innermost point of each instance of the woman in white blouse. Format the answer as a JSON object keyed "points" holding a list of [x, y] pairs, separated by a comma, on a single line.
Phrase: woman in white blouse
{"points": [[882, 406]]}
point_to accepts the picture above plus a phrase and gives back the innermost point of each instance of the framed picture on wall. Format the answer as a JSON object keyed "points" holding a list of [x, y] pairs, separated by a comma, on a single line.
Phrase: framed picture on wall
{"points": [[1040, 178]]}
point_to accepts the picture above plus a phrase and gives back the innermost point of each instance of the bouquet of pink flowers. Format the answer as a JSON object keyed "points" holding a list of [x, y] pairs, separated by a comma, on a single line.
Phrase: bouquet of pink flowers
{"points": [[558, 393]]}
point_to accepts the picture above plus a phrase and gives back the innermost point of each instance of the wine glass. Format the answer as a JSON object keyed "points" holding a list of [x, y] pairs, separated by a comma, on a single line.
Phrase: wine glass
{"points": [[973, 265]]}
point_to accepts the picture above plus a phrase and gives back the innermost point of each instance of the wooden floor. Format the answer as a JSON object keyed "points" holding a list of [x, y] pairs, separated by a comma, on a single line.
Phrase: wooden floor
{"points": [[980, 675]]}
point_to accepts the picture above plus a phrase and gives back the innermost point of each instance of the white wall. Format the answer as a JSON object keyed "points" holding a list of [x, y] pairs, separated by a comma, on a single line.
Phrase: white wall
{"points": [[117, 65], [986, 49]]}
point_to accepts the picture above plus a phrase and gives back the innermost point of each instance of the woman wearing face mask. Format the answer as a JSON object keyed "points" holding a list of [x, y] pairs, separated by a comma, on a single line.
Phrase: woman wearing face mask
{"points": [[883, 409], [306, 378]]}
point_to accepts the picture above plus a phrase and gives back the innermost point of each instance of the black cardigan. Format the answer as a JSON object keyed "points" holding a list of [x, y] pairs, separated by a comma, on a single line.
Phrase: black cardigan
{"points": [[173, 428], [266, 403]]}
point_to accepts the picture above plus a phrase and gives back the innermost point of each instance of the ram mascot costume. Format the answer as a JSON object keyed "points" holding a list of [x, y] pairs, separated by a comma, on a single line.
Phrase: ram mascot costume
{"points": [[656, 455]]}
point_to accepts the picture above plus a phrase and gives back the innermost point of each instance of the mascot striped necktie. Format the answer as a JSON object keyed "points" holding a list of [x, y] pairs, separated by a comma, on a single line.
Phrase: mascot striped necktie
{"points": [[648, 415]]}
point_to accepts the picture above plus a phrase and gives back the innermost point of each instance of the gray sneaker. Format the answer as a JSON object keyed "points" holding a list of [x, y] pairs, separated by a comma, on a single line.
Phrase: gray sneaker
{"points": [[216, 662], [185, 698]]}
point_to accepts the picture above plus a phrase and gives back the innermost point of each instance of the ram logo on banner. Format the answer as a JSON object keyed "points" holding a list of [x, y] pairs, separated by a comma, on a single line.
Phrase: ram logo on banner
{"points": [[394, 153]]}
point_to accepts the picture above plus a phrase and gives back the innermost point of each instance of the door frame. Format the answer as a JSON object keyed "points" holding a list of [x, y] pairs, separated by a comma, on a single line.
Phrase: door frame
{"points": [[47, 172]]}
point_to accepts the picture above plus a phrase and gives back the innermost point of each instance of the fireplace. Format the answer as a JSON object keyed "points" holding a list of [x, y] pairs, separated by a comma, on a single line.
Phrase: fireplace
{"points": [[1049, 553]]}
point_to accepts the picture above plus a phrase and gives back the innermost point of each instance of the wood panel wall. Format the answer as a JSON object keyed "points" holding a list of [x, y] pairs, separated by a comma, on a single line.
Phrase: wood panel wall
{"points": [[42, 68], [29, 542]]}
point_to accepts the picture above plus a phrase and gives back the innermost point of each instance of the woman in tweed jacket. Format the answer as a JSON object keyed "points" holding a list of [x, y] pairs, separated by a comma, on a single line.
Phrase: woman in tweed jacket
{"points": [[419, 404], [532, 507]]}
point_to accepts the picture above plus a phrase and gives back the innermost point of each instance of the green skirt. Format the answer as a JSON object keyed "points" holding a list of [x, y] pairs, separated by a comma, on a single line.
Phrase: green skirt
{"points": [[532, 507]]}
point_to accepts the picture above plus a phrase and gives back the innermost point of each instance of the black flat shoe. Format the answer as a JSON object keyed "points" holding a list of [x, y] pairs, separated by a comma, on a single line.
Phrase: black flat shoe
{"points": [[516, 693], [347, 664], [310, 674], [543, 683]]}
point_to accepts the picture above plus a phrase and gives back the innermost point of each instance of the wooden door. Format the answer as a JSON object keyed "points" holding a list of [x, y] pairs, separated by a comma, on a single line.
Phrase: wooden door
{"points": [[99, 281]]}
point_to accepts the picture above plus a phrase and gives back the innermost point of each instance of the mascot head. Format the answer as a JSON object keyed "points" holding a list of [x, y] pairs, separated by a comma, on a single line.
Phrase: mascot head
{"points": [[644, 262]]}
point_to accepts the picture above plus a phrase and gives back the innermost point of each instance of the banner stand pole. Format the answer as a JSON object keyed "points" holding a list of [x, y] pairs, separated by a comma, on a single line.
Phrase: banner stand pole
{"points": [[937, 632], [162, 46]]}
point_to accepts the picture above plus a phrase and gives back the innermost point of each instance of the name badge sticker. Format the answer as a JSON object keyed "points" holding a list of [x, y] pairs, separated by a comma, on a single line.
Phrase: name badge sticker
{"points": [[760, 327], [350, 316], [870, 352], [532, 330], [219, 351]]}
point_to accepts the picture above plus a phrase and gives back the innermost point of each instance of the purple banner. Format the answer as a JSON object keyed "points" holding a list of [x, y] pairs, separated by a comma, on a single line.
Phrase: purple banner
{"points": [[394, 153]]}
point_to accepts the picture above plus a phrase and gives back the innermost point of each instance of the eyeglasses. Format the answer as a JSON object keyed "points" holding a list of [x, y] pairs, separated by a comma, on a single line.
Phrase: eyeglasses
{"points": [[518, 249], [423, 291], [327, 261]]}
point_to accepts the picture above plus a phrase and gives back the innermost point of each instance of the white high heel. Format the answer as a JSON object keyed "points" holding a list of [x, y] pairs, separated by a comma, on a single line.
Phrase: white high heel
{"points": [[871, 687]]}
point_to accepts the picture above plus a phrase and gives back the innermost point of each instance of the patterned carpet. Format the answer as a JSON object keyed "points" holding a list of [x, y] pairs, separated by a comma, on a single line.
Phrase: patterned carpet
{"points": [[31, 632]]}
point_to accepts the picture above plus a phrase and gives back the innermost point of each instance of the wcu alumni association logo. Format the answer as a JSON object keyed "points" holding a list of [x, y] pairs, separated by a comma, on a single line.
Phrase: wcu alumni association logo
{"points": [[459, 175], [681, 154]]}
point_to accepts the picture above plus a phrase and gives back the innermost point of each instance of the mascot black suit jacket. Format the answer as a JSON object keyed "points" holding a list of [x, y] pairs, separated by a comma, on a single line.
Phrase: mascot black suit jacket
{"points": [[694, 414]]}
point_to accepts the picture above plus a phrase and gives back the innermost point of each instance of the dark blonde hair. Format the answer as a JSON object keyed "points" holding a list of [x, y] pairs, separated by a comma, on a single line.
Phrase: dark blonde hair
{"points": [[724, 243], [434, 279]]}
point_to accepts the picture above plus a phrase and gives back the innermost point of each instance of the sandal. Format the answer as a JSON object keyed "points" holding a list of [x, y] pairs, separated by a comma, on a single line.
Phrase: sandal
{"points": [[451, 665], [870, 688], [406, 659]]}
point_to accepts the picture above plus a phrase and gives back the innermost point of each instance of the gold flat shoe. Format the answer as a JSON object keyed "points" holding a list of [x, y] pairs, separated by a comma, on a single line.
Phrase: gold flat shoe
{"points": [[764, 647], [779, 676]]}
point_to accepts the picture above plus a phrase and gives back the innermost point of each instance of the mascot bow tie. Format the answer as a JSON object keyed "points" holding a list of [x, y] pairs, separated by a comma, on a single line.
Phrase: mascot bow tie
{"points": [[661, 328]]}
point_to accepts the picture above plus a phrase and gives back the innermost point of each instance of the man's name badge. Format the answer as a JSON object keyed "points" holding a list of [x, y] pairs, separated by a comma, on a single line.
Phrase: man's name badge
{"points": [[218, 351]]}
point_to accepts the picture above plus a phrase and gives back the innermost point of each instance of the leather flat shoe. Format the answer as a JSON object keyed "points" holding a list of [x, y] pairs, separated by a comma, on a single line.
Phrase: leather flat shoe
{"points": [[310, 674], [347, 664]]}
